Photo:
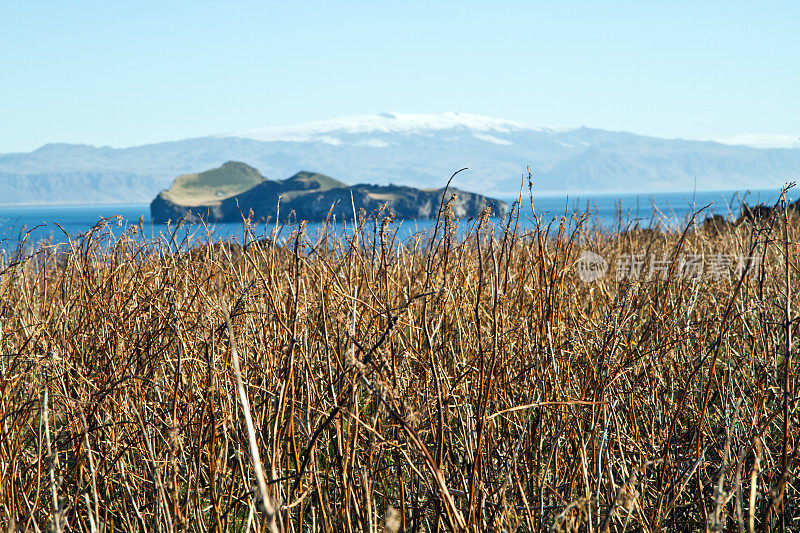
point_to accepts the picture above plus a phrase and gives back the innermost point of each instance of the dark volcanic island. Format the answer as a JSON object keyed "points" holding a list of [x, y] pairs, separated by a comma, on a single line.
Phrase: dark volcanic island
{"points": [[224, 194]]}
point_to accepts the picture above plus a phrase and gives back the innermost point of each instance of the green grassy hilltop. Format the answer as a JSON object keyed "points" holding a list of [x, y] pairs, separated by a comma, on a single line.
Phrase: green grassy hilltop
{"points": [[213, 186]]}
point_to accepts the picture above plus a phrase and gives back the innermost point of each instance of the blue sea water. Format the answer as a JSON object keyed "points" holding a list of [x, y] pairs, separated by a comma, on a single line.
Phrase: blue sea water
{"points": [[60, 223]]}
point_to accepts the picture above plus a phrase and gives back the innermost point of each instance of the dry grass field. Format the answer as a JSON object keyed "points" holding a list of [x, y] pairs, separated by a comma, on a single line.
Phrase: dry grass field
{"points": [[462, 380]]}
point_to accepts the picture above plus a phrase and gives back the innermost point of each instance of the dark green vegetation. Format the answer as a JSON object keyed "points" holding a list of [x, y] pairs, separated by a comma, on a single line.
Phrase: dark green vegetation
{"points": [[452, 383], [231, 192]]}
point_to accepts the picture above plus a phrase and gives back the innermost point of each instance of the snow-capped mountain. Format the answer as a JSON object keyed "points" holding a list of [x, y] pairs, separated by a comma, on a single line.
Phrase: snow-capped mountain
{"points": [[339, 130], [415, 149]]}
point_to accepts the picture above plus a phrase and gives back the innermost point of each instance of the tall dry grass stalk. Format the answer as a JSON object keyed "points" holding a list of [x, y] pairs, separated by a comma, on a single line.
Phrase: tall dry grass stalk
{"points": [[463, 380]]}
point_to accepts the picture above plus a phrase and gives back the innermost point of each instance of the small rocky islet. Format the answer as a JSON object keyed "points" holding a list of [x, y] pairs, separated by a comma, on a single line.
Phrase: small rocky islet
{"points": [[235, 189]]}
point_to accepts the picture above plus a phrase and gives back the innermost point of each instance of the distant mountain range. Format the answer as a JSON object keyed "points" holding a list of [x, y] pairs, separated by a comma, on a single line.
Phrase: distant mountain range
{"points": [[417, 150]]}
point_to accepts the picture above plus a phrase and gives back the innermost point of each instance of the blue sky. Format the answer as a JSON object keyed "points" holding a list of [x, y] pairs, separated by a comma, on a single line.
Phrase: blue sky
{"points": [[109, 73]]}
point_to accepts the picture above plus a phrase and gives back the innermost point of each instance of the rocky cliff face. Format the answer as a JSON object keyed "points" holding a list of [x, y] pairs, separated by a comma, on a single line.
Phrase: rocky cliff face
{"points": [[163, 210], [311, 197], [402, 202]]}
